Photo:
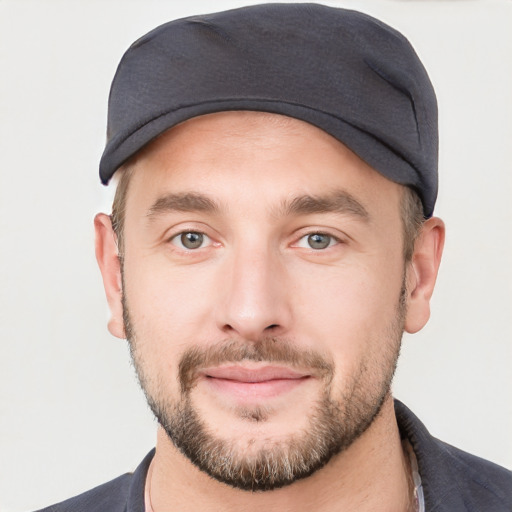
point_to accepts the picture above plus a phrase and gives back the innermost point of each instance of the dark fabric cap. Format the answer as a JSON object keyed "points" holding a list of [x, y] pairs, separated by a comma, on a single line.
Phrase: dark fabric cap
{"points": [[340, 70]]}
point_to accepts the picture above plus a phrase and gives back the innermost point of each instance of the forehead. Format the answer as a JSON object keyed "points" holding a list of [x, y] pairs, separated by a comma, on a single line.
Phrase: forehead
{"points": [[234, 128], [242, 151]]}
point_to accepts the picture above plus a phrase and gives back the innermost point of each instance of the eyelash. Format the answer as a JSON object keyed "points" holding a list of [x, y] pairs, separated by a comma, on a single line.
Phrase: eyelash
{"points": [[178, 240], [333, 240]]}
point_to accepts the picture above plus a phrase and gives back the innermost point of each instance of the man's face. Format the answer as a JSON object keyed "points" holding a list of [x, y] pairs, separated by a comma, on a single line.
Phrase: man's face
{"points": [[263, 293]]}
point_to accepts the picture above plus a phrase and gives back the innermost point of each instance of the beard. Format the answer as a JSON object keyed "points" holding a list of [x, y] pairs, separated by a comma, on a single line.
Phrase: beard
{"points": [[337, 418]]}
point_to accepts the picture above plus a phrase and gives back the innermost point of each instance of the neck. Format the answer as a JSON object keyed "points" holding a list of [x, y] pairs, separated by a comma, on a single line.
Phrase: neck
{"points": [[372, 474]]}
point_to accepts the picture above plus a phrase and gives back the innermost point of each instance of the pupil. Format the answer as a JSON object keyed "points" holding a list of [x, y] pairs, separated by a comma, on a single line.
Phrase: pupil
{"points": [[192, 240], [319, 241]]}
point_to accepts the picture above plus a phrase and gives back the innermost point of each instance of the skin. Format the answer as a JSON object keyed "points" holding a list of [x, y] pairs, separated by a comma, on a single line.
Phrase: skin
{"points": [[256, 277]]}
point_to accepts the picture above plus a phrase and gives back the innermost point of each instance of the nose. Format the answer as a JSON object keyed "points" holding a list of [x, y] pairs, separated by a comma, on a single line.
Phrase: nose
{"points": [[255, 300]]}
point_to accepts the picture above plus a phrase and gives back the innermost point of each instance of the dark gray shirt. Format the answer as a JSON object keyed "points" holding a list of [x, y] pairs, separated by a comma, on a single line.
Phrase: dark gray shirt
{"points": [[453, 480]]}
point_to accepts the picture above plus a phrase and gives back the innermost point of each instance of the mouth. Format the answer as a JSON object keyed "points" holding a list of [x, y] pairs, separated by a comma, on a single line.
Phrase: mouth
{"points": [[253, 384]]}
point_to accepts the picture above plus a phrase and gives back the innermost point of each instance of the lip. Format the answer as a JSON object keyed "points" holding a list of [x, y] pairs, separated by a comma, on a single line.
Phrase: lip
{"points": [[253, 384], [252, 375]]}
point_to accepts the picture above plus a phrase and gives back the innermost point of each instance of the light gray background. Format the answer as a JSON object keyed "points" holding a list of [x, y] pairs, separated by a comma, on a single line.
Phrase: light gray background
{"points": [[71, 415]]}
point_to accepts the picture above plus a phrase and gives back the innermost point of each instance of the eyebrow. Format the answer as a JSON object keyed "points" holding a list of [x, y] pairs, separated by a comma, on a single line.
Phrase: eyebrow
{"points": [[338, 202], [182, 202]]}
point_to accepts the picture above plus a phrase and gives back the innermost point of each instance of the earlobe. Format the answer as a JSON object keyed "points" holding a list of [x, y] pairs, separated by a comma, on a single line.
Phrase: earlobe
{"points": [[107, 255], [422, 273]]}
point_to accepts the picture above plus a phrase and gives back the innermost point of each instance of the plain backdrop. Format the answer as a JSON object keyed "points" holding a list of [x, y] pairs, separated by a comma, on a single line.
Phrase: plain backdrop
{"points": [[71, 414]]}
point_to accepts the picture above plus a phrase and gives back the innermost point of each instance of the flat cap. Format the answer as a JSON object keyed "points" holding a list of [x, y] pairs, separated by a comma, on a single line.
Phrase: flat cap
{"points": [[340, 70]]}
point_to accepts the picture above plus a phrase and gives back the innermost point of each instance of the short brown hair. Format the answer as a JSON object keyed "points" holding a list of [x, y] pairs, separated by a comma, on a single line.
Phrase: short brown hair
{"points": [[119, 205], [411, 211]]}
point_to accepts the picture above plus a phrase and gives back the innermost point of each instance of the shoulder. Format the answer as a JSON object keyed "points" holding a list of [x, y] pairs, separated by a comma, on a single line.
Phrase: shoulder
{"points": [[110, 496], [482, 482], [124, 493], [454, 480]]}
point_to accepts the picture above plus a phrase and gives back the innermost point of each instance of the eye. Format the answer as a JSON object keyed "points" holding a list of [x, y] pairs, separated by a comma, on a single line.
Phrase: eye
{"points": [[317, 241], [190, 240]]}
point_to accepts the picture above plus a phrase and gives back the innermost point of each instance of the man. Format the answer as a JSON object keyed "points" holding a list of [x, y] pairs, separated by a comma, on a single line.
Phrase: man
{"points": [[272, 236]]}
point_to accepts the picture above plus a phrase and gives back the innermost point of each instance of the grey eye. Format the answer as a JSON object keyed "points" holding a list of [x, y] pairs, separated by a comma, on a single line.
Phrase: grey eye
{"points": [[319, 241], [191, 240]]}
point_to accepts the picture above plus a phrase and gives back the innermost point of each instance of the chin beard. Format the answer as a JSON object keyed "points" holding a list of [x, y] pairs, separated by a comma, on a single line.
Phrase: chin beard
{"points": [[337, 418], [277, 464], [332, 425]]}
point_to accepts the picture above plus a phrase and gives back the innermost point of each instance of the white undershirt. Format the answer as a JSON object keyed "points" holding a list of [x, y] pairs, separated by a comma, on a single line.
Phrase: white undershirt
{"points": [[416, 478]]}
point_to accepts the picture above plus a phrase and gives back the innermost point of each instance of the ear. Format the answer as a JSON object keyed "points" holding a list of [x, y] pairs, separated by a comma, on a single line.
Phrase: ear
{"points": [[107, 255], [422, 273]]}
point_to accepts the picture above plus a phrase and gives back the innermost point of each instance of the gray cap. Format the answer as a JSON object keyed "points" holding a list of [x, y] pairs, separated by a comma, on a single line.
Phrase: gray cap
{"points": [[340, 70]]}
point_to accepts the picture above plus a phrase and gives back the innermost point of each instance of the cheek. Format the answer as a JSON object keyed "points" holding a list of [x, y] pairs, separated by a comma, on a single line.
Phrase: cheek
{"points": [[349, 312], [168, 306], [165, 312]]}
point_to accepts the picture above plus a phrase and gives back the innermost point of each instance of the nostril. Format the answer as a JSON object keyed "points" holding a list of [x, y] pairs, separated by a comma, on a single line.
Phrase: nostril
{"points": [[270, 327]]}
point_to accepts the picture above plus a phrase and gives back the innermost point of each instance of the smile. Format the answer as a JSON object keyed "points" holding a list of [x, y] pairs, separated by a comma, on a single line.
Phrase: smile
{"points": [[253, 384]]}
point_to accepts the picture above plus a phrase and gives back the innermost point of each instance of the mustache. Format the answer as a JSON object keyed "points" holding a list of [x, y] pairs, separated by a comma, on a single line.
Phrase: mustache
{"points": [[271, 350]]}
